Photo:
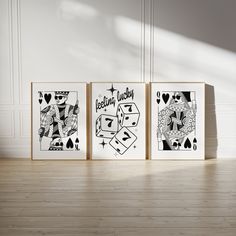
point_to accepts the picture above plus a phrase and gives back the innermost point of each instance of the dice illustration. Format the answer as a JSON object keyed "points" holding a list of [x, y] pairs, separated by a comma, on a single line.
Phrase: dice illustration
{"points": [[106, 126], [123, 140], [128, 114]]}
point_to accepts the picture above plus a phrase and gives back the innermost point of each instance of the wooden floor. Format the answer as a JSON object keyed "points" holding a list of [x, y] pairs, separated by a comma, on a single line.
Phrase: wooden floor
{"points": [[117, 198]]}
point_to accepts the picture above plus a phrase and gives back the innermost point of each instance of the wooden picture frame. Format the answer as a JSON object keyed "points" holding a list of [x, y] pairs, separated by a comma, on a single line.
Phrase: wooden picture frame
{"points": [[118, 120], [177, 118], [59, 121]]}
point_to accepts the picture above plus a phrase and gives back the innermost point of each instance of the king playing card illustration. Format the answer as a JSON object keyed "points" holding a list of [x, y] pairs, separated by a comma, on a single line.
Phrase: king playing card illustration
{"points": [[58, 121]]}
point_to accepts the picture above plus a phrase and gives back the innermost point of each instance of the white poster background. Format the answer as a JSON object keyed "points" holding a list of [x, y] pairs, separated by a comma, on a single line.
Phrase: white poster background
{"points": [[199, 88], [65, 154], [138, 149]]}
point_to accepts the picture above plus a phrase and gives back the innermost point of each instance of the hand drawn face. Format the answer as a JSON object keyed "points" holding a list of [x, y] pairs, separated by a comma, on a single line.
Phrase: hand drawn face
{"points": [[57, 142], [177, 98], [60, 99]]}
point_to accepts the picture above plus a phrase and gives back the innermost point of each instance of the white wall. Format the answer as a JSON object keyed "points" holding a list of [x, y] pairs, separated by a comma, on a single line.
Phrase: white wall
{"points": [[110, 40], [195, 41]]}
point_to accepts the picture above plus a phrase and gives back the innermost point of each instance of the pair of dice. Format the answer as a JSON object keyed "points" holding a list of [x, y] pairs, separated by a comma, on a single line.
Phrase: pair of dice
{"points": [[115, 127]]}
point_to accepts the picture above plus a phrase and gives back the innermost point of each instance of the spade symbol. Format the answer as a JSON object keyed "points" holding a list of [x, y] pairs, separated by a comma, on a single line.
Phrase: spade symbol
{"points": [[77, 140], [194, 140], [47, 97], [158, 100], [165, 97], [40, 101], [187, 143], [69, 144]]}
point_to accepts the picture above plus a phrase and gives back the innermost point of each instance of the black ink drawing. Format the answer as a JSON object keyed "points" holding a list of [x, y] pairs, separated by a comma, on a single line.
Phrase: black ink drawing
{"points": [[128, 114], [158, 97], [77, 144], [177, 121], [47, 97], [106, 126], [40, 97], [123, 140], [117, 127], [58, 121], [103, 143], [112, 89]]}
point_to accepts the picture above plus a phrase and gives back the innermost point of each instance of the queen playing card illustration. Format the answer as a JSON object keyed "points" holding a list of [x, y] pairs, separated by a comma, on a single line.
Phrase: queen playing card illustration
{"points": [[177, 120]]}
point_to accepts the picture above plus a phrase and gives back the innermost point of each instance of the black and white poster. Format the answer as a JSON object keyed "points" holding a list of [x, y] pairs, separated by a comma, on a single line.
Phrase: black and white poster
{"points": [[118, 121], [59, 120], [177, 120]]}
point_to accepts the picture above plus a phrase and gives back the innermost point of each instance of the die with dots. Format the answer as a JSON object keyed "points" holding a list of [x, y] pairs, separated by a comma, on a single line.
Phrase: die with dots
{"points": [[123, 140], [106, 126], [128, 114]]}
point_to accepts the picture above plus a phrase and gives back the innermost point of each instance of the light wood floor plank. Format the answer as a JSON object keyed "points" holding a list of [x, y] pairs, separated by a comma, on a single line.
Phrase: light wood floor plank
{"points": [[117, 198]]}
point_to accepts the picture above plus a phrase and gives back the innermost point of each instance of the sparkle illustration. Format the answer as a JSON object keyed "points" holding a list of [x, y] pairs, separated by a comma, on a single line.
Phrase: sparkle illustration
{"points": [[103, 143], [112, 89]]}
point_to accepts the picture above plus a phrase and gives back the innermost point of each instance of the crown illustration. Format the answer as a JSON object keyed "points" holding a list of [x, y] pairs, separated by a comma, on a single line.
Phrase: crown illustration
{"points": [[65, 93]]}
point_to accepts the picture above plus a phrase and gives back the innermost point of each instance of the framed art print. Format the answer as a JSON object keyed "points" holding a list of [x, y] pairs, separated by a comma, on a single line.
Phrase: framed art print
{"points": [[59, 121], [118, 121], [177, 120]]}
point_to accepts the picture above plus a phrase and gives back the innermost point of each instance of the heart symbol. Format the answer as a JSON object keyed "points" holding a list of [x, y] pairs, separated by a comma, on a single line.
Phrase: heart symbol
{"points": [[158, 100], [40, 100], [165, 97], [69, 144], [187, 143], [47, 97], [77, 140], [194, 140]]}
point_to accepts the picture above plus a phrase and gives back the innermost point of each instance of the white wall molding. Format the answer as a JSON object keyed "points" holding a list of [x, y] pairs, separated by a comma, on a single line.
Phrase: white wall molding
{"points": [[10, 26], [6, 83], [25, 124], [15, 49], [7, 129], [151, 55]]}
